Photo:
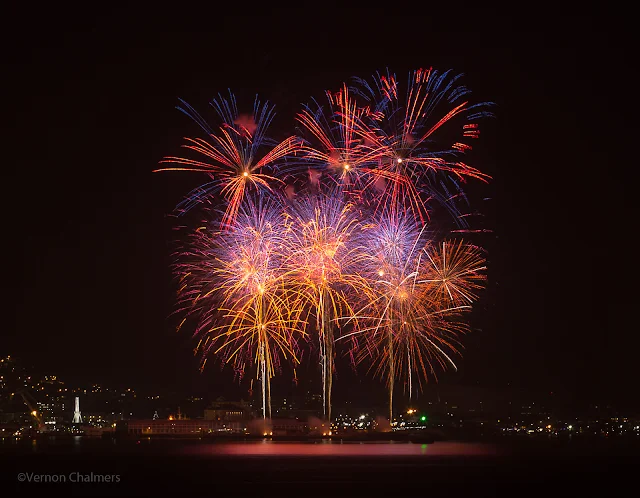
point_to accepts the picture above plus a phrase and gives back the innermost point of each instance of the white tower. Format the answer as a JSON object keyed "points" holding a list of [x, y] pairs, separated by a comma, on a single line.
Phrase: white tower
{"points": [[77, 418]]}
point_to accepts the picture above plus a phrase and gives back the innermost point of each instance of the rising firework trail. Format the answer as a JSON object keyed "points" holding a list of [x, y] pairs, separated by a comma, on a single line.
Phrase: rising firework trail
{"points": [[410, 318], [325, 264], [394, 248]]}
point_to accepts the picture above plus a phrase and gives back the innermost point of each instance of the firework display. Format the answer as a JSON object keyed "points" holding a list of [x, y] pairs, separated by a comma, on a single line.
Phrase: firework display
{"points": [[326, 241]]}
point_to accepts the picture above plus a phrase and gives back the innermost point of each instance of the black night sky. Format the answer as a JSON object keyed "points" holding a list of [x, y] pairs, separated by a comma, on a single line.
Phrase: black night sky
{"points": [[87, 233]]}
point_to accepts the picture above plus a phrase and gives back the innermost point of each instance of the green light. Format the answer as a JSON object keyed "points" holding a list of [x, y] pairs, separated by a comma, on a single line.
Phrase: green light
{"points": [[423, 418]]}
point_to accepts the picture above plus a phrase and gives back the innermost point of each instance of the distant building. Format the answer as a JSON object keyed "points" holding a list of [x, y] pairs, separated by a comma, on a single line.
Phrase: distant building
{"points": [[288, 427], [97, 431], [185, 427], [228, 411], [99, 419]]}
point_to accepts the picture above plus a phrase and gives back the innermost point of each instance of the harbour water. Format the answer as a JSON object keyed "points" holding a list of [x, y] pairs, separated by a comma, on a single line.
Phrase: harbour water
{"points": [[157, 467]]}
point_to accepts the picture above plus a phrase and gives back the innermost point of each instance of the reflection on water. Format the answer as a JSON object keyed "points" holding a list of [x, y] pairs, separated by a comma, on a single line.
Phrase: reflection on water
{"points": [[337, 449], [265, 447]]}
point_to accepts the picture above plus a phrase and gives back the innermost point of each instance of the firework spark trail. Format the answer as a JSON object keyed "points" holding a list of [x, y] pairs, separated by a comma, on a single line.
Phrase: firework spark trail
{"points": [[234, 282], [334, 144], [237, 158], [456, 272]]}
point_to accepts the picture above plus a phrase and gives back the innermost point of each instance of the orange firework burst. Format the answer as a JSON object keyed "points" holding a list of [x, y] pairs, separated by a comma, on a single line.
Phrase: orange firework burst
{"points": [[234, 280], [455, 271], [410, 315], [324, 263]]}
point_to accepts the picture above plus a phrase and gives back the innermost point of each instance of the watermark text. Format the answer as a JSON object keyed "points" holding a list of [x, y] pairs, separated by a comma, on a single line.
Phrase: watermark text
{"points": [[73, 477]]}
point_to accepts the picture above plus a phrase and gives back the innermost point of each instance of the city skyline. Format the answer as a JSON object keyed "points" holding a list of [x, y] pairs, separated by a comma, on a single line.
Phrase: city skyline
{"points": [[168, 400], [55, 409]]}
